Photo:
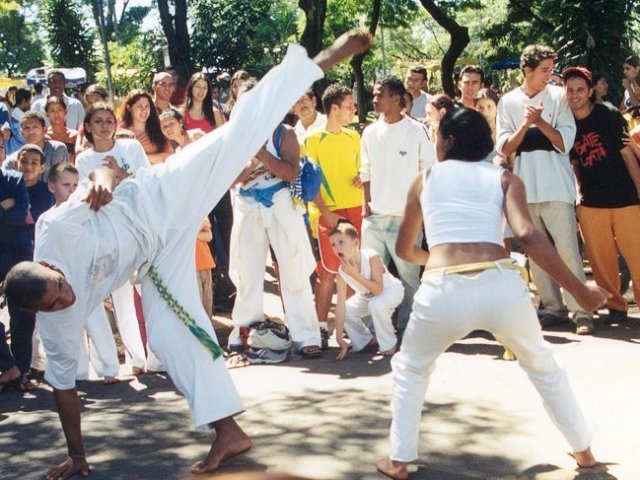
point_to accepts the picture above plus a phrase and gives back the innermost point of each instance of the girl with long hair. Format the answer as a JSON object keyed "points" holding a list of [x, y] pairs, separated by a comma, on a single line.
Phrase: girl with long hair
{"points": [[139, 115], [199, 110]]}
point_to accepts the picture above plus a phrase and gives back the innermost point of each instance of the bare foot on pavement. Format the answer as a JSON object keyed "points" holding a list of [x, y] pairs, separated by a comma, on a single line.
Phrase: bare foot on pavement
{"points": [[393, 469], [230, 441]]}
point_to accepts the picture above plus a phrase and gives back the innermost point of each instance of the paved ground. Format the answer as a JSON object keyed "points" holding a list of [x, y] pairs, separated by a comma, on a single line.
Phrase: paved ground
{"points": [[324, 419]]}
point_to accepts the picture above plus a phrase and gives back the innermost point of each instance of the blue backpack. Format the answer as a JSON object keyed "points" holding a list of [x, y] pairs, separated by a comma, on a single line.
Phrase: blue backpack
{"points": [[306, 186]]}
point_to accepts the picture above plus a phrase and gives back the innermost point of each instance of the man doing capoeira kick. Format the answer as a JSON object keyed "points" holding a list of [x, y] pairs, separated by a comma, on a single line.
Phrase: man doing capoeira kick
{"points": [[96, 240]]}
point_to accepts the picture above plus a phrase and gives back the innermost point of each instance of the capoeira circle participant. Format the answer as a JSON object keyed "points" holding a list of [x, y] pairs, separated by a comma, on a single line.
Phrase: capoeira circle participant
{"points": [[96, 240], [462, 201], [265, 215], [125, 157]]}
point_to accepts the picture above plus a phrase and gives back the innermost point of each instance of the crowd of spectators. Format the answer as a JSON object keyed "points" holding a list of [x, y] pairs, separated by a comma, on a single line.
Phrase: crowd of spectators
{"points": [[552, 136]]}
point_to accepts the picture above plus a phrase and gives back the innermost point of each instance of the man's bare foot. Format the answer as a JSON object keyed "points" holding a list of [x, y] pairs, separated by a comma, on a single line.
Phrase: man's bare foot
{"points": [[585, 458], [393, 469], [108, 380], [67, 469], [230, 441], [135, 371], [389, 352], [350, 43]]}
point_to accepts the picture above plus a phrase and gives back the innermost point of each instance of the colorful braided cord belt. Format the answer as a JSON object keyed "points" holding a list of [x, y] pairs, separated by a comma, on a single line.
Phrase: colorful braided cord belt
{"points": [[203, 337]]}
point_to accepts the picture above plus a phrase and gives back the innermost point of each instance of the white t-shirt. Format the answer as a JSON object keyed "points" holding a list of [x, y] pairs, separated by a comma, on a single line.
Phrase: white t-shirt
{"points": [[97, 253], [318, 124], [393, 154], [75, 111], [545, 170], [419, 107], [366, 254], [128, 152]]}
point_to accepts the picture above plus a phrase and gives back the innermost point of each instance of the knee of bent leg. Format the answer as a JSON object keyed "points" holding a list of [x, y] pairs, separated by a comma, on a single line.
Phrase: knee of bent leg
{"points": [[379, 305], [540, 360]]}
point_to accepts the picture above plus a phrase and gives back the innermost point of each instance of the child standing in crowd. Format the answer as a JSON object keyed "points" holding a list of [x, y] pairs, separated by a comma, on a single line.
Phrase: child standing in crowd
{"points": [[378, 293], [56, 111], [204, 265], [31, 164], [62, 182], [125, 157]]}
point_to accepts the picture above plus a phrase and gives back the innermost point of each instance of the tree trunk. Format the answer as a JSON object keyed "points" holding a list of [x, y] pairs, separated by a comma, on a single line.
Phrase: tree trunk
{"points": [[177, 34], [459, 41], [356, 64], [97, 7], [315, 12]]}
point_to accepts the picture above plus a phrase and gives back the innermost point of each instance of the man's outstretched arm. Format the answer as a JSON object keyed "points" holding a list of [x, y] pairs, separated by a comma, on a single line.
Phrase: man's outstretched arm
{"points": [[68, 406], [353, 42]]}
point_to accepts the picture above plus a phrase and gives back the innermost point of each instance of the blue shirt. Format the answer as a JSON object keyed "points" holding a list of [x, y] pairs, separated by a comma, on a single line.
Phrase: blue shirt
{"points": [[16, 240]]}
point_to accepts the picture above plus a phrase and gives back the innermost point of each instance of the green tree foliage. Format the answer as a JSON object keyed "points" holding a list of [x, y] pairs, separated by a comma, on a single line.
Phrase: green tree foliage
{"points": [[19, 49], [129, 25], [132, 64], [593, 33], [70, 38], [234, 34], [596, 34]]}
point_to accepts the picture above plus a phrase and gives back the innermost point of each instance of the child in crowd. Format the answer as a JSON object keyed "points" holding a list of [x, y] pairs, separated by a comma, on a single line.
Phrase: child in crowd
{"points": [[204, 265], [31, 163], [377, 293], [56, 111], [62, 182]]}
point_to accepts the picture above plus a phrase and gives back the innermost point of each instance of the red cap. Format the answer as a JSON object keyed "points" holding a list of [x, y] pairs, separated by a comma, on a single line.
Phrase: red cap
{"points": [[577, 72]]}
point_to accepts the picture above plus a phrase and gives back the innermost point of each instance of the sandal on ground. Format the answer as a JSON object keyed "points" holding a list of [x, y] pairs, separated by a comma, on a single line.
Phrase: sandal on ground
{"points": [[310, 351], [236, 360], [26, 385]]}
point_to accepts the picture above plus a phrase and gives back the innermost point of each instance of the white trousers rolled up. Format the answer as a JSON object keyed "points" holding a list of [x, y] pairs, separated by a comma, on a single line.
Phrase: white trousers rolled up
{"points": [[380, 307], [255, 227], [99, 349], [496, 301]]}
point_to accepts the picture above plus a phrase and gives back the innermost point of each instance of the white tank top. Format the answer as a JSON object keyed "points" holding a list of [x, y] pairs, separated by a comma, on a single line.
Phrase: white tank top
{"points": [[365, 270], [462, 203]]}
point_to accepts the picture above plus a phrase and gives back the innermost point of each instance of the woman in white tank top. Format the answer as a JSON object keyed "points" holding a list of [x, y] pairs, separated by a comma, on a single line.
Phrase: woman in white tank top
{"points": [[471, 284]]}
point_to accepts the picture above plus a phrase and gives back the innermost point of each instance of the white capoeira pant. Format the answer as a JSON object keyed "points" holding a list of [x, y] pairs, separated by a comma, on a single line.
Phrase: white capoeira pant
{"points": [[153, 221], [98, 349], [494, 300], [124, 310], [255, 227], [380, 307]]}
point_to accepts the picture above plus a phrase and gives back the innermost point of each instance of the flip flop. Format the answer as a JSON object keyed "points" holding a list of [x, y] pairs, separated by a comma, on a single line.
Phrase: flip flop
{"points": [[26, 385], [310, 351], [236, 360]]}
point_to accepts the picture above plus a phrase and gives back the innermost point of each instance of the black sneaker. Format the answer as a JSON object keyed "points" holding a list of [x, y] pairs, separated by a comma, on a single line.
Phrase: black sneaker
{"points": [[550, 319], [615, 316]]}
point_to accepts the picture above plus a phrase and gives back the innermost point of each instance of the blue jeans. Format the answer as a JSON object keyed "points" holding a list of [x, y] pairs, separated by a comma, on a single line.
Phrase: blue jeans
{"points": [[380, 233]]}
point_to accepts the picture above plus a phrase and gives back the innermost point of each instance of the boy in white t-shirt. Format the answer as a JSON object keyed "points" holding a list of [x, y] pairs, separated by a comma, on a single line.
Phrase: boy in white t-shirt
{"points": [[377, 293]]}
